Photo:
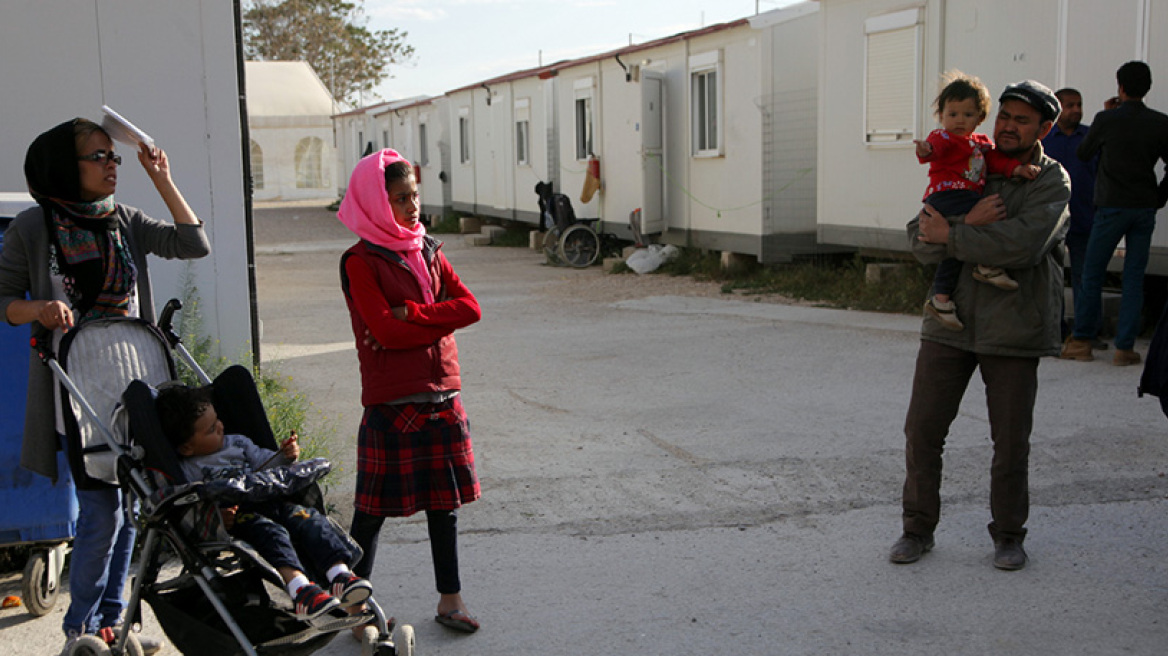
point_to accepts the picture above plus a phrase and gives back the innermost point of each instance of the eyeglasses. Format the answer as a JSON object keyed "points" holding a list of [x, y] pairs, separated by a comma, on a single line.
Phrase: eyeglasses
{"points": [[101, 156]]}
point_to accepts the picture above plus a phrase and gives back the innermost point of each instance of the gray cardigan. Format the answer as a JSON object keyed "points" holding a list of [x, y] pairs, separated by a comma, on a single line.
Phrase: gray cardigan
{"points": [[24, 268]]}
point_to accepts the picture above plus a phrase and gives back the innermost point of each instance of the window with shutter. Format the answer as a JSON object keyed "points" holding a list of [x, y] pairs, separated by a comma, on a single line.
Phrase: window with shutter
{"points": [[892, 76]]}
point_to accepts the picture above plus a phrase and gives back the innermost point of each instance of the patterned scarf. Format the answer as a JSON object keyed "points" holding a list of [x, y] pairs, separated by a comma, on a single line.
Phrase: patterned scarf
{"points": [[91, 257]]}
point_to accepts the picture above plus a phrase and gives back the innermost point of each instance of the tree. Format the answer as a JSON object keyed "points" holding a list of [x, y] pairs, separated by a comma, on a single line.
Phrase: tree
{"points": [[331, 35]]}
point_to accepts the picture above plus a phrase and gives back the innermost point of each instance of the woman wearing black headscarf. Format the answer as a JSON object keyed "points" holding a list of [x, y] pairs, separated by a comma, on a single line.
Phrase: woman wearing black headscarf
{"points": [[78, 256]]}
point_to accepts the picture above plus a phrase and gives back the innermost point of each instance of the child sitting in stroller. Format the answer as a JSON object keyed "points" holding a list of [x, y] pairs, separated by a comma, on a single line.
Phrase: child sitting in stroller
{"points": [[192, 426]]}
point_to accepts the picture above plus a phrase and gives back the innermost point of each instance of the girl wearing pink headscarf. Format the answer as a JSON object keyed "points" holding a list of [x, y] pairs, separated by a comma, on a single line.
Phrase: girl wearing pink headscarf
{"points": [[405, 302]]}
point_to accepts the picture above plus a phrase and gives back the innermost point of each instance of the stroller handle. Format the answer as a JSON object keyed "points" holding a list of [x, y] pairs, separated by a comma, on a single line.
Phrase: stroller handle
{"points": [[43, 348], [166, 326], [165, 322]]}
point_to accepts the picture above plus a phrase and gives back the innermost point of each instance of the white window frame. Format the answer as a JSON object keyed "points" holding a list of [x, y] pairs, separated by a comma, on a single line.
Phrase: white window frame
{"points": [[523, 132], [706, 134], [464, 135], [583, 128], [892, 77]]}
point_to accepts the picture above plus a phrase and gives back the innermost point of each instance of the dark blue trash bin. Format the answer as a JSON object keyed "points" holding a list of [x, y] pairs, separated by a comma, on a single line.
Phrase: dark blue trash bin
{"points": [[33, 510]]}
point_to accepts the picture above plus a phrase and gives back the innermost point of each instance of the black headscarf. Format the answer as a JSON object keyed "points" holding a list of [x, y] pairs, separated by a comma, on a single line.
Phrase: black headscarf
{"points": [[97, 269], [51, 167]]}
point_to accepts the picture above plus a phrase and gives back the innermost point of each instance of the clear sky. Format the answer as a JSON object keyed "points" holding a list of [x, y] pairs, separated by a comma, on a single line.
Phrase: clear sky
{"points": [[458, 42]]}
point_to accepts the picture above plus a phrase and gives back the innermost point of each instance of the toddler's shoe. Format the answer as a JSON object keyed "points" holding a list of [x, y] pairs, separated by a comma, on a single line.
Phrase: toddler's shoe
{"points": [[350, 589], [945, 314], [995, 276], [312, 602]]}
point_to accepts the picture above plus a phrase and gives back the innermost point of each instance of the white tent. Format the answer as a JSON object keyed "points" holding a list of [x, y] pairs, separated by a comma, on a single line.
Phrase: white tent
{"points": [[293, 154]]}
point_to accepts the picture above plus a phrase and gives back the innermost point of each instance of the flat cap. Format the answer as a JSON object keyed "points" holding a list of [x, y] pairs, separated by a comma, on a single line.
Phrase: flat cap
{"points": [[1036, 94]]}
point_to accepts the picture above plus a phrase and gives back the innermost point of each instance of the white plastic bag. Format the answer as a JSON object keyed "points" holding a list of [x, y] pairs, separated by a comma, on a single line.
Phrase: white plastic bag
{"points": [[648, 260]]}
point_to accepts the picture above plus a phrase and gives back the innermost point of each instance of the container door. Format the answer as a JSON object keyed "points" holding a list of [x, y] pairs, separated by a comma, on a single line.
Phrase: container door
{"points": [[652, 153]]}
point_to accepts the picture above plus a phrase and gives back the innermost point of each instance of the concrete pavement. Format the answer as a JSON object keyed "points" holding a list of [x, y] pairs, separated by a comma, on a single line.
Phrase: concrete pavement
{"points": [[670, 474], [686, 475]]}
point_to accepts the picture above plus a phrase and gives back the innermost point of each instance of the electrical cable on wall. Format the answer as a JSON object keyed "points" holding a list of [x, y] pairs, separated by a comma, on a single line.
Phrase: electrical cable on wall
{"points": [[718, 211]]}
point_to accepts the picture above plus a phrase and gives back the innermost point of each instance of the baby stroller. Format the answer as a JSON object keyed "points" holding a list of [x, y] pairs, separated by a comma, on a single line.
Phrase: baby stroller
{"points": [[209, 592]]}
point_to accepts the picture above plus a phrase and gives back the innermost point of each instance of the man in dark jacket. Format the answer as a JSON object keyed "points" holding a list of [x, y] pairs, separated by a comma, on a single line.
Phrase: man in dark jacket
{"points": [[1019, 226], [1129, 139], [1061, 144]]}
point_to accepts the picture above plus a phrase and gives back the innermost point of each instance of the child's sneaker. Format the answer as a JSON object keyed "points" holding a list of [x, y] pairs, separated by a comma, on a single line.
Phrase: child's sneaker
{"points": [[312, 602], [350, 589], [995, 276], [945, 314]]}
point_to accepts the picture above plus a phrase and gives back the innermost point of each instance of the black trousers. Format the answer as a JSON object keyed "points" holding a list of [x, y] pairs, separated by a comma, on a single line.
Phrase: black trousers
{"points": [[443, 528], [941, 378]]}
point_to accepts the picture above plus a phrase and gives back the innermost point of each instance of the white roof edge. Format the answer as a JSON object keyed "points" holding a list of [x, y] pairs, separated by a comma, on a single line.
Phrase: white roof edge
{"points": [[394, 105], [783, 15]]}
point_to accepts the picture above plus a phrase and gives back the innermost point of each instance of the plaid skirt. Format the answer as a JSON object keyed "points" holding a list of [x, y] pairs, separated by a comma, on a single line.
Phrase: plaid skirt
{"points": [[414, 456]]}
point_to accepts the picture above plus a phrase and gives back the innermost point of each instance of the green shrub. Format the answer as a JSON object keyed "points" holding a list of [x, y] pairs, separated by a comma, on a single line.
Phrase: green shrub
{"points": [[838, 281], [515, 236], [448, 224]]}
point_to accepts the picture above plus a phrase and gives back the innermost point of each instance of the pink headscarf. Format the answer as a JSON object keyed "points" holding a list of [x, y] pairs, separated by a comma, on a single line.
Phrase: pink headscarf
{"points": [[365, 210]]}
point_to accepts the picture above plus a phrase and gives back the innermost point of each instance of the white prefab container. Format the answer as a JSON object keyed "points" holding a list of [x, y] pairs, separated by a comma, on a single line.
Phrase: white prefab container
{"points": [[173, 67], [499, 145], [418, 130], [463, 150], [709, 135], [530, 137], [881, 62], [356, 133], [789, 39]]}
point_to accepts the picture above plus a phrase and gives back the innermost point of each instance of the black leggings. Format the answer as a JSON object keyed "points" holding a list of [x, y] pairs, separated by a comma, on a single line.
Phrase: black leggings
{"points": [[443, 527]]}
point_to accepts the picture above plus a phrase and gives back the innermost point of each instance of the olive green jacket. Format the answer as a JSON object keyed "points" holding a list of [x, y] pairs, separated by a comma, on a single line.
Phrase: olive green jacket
{"points": [[1028, 244]]}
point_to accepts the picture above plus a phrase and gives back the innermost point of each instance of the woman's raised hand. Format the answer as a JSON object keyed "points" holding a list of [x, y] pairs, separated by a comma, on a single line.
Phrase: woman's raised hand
{"points": [[154, 162]]}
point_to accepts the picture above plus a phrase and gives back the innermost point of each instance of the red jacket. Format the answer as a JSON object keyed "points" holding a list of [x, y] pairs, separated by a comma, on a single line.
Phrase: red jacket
{"points": [[963, 162], [418, 354]]}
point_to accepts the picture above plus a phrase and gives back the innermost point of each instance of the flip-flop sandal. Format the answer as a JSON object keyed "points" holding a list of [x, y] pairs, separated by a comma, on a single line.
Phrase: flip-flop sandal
{"points": [[448, 620]]}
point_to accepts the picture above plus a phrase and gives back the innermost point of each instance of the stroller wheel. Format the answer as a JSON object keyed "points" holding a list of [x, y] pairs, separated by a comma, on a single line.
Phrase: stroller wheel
{"points": [[133, 646], [403, 646], [88, 645], [91, 645]]}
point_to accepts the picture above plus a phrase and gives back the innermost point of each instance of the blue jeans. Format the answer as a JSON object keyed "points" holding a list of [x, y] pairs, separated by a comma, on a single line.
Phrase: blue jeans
{"points": [[1077, 249], [1135, 224], [100, 560], [280, 531]]}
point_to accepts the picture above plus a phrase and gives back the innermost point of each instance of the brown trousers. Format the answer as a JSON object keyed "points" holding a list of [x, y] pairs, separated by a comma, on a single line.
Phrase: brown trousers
{"points": [[941, 378]]}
